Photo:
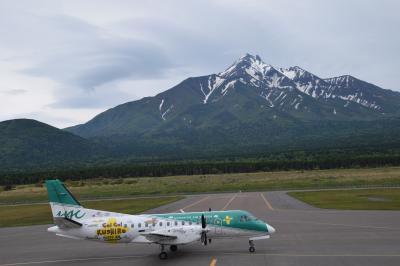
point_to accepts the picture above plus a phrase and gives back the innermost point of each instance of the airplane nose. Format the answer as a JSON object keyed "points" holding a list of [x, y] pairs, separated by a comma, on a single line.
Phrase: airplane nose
{"points": [[270, 229]]}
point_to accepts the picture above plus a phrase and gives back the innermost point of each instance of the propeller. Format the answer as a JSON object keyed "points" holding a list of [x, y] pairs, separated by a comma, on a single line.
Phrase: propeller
{"points": [[204, 231]]}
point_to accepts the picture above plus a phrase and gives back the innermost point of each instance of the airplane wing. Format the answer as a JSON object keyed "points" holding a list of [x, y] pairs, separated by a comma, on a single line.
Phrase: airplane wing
{"points": [[66, 223], [174, 235], [159, 236]]}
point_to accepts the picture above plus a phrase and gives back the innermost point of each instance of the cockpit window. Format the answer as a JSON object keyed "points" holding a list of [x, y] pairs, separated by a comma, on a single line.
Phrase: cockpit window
{"points": [[247, 218], [251, 218]]}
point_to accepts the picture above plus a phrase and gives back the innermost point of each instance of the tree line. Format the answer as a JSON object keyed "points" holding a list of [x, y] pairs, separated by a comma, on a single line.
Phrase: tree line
{"points": [[204, 167]]}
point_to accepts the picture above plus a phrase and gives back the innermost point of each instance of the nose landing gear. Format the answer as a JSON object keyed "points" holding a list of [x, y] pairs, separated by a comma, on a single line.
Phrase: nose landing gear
{"points": [[163, 255], [251, 248]]}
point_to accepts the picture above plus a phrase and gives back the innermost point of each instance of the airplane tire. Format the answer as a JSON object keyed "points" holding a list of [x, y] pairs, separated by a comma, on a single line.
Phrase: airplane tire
{"points": [[163, 255], [252, 249], [173, 248]]}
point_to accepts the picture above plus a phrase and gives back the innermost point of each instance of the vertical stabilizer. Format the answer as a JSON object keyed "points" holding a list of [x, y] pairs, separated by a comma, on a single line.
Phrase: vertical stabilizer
{"points": [[63, 204]]}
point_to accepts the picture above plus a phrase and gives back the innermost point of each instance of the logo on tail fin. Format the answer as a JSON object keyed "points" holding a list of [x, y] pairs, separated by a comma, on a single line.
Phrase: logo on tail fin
{"points": [[71, 214]]}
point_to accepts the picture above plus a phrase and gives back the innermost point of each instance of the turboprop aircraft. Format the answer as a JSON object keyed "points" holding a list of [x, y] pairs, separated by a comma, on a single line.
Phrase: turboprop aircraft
{"points": [[74, 221]]}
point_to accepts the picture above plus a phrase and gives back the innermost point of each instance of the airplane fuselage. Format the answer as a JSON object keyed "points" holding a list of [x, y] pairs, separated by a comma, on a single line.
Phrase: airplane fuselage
{"points": [[120, 228]]}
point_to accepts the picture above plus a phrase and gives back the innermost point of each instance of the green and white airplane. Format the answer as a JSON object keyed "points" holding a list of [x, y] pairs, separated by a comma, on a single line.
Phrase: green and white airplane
{"points": [[74, 221]]}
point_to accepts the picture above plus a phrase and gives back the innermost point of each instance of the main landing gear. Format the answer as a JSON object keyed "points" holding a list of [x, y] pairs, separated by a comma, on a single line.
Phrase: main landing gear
{"points": [[163, 255], [251, 248]]}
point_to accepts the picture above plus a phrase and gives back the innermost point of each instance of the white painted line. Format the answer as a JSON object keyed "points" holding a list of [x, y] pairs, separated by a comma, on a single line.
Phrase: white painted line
{"points": [[335, 224], [71, 260], [309, 255], [206, 253]]}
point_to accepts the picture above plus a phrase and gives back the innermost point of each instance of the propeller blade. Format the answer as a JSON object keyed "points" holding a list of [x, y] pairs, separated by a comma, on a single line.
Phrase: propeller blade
{"points": [[203, 221], [204, 232]]}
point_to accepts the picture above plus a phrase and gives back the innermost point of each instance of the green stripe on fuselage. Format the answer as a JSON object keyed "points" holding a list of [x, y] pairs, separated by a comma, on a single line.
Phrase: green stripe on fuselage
{"points": [[233, 219]]}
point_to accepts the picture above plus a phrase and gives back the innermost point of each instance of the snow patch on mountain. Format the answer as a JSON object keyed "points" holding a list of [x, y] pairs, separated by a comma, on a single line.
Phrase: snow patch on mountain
{"points": [[161, 104], [213, 83], [164, 114]]}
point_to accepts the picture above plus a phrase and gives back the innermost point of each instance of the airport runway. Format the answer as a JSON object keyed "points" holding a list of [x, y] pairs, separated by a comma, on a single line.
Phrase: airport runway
{"points": [[305, 236]]}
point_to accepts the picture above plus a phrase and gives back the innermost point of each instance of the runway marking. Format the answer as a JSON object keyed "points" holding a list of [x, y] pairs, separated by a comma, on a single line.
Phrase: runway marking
{"points": [[229, 202], [71, 260], [213, 262], [266, 202], [88, 200], [308, 255], [334, 224], [193, 204]]}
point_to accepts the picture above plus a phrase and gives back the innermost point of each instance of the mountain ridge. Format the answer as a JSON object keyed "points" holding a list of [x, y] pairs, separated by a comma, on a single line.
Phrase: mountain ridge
{"points": [[294, 91], [30, 143], [249, 109]]}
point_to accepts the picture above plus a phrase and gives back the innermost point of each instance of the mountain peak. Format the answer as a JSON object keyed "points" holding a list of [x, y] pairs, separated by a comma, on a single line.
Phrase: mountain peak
{"points": [[246, 62], [249, 57]]}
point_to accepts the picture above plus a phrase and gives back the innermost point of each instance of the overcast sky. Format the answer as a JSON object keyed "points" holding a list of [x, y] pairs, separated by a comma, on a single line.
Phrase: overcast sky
{"points": [[63, 62]]}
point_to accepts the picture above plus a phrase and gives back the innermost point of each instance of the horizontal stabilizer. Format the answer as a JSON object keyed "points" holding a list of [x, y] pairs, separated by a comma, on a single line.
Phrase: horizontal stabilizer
{"points": [[66, 223], [67, 236]]}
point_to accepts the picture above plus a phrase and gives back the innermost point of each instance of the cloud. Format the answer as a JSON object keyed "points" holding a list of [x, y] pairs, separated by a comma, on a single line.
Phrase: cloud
{"points": [[13, 91], [87, 56], [95, 57]]}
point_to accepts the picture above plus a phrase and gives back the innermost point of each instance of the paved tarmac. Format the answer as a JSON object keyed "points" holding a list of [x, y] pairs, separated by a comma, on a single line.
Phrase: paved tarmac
{"points": [[305, 236]]}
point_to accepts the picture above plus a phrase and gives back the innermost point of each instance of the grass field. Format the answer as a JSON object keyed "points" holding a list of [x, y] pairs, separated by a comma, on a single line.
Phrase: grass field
{"points": [[357, 199], [128, 187], [41, 213]]}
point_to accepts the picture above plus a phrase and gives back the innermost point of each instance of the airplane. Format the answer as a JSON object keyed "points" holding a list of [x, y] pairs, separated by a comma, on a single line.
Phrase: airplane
{"points": [[74, 221]]}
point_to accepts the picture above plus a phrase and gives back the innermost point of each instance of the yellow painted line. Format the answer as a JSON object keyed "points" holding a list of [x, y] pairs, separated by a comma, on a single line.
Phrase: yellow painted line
{"points": [[193, 204], [266, 202], [213, 262], [228, 203]]}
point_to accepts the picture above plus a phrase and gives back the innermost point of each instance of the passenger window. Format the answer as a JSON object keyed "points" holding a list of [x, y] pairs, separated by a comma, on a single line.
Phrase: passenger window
{"points": [[176, 223], [139, 225], [132, 225], [183, 222], [190, 223], [146, 224], [168, 224], [160, 223]]}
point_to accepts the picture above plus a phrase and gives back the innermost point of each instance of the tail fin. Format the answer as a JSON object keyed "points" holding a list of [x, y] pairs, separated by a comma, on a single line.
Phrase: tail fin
{"points": [[63, 204], [58, 193]]}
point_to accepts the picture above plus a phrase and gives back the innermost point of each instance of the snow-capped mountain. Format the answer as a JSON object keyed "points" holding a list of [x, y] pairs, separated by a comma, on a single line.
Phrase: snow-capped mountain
{"points": [[248, 91]]}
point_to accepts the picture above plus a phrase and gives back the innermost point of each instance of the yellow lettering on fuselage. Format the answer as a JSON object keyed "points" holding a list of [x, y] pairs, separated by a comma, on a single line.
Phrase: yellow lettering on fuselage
{"points": [[111, 231]]}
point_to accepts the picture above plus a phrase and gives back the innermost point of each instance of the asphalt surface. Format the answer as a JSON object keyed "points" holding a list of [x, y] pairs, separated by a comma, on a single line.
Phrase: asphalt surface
{"points": [[305, 236]]}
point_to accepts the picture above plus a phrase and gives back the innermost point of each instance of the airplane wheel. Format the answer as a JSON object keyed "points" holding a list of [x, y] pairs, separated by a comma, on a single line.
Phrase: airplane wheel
{"points": [[252, 249], [173, 248], [163, 255]]}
